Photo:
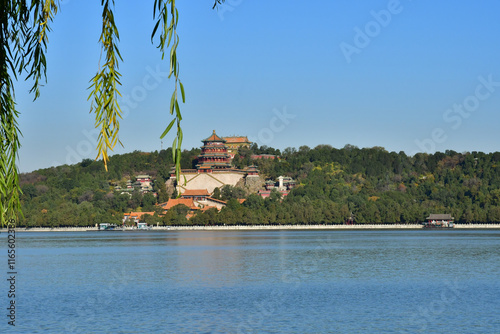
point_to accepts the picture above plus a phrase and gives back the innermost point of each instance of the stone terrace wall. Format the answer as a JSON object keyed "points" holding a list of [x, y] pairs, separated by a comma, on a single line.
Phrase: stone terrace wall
{"points": [[208, 181]]}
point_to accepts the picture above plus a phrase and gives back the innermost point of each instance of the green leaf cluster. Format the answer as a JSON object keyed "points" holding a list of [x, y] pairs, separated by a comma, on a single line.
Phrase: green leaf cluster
{"points": [[23, 41], [104, 91]]}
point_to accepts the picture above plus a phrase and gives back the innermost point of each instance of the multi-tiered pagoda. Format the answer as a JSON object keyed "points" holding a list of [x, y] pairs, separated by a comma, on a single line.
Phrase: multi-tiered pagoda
{"points": [[213, 155]]}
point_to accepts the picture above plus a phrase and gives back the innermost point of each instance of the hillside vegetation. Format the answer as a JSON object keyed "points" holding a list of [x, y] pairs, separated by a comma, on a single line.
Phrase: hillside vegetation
{"points": [[370, 185]]}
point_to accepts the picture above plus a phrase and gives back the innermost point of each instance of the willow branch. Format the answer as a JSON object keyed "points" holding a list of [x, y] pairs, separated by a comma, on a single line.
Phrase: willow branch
{"points": [[104, 85], [167, 19]]}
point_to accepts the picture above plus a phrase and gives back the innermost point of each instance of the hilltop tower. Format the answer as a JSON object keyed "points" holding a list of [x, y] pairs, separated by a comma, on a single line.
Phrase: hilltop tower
{"points": [[213, 155]]}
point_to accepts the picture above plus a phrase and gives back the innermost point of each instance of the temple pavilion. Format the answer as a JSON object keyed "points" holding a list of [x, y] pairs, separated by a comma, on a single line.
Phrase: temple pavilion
{"points": [[214, 155], [234, 143]]}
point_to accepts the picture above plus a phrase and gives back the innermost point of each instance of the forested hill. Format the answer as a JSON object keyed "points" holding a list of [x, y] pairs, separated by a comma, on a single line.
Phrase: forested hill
{"points": [[374, 185]]}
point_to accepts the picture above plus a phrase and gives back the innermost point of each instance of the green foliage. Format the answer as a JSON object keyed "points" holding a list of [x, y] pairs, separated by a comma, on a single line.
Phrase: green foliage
{"points": [[374, 186], [53, 195], [217, 195], [104, 93], [229, 192], [332, 185], [161, 190], [168, 37], [208, 217], [176, 215], [151, 220], [148, 202], [23, 42]]}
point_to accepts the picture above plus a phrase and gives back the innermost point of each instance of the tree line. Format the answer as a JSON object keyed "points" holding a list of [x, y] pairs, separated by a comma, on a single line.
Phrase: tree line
{"points": [[334, 185]]}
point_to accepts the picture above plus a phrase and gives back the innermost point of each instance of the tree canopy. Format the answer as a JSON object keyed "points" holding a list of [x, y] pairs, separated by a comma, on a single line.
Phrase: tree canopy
{"points": [[370, 185], [24, 26]]}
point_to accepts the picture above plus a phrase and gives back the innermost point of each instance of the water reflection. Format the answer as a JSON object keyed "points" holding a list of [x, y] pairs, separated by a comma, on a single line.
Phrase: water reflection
{"points": [[267, 281]]}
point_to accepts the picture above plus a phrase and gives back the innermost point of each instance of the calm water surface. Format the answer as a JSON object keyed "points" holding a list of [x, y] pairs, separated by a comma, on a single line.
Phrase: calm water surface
{"points": [[256, 282]]}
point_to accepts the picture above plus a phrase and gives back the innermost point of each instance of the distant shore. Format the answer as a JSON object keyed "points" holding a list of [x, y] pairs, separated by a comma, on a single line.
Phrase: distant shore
{"points": [[264, 227]]}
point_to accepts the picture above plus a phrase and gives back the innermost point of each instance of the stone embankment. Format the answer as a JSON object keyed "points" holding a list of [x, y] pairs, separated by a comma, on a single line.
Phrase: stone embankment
{"points": [[265, 227], [292, 227], [476, 226], [53, 229]]}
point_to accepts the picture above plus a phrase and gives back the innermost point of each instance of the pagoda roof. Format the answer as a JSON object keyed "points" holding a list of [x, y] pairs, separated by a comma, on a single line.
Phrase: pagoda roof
{"points": [[208, 207], [213, 166], [214, 137], [440, 216], [137, 214], [222, 154], [238, 139], [211, 199], [176, 201], [204, 163], [195, 192]]}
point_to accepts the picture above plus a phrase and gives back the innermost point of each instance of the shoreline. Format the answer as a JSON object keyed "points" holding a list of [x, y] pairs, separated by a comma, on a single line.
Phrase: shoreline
{"points": [[265, 227]]}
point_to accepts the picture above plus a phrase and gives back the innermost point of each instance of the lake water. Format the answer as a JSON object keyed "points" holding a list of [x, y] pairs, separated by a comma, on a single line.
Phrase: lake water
{"points": [[255, 282]]}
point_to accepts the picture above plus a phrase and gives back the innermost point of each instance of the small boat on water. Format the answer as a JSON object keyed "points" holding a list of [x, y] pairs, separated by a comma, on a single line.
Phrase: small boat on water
{"points": [[438, 224], [139, 227], [114, 227], [439, 221], [109, 227]]}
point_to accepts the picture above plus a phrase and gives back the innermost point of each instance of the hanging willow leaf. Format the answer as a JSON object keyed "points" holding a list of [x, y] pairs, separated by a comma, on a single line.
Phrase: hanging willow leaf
{"points": [[104, 94], [218, 2], [167, 129], [182, 92], [167, 18], [23, 42], [24, 27]]}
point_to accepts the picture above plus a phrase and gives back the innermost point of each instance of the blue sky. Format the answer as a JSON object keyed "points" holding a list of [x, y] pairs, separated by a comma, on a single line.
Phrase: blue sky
{"points": [[413, 76]]}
